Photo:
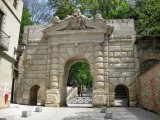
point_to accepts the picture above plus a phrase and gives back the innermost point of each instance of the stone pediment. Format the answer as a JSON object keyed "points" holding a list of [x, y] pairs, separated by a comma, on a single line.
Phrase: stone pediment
{"points": [[78, 23]]}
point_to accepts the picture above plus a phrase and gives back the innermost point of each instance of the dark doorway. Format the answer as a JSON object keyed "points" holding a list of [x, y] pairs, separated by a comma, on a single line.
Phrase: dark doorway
{"points": [[12, 91], [121, 96], [34, 94]]}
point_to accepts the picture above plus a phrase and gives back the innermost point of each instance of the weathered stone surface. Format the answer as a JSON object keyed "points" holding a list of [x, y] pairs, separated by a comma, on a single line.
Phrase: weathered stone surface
{"points": [[99, 99], [114, 60], [98, 85], [99, 78], [121, 65], [111, 58], [54, 84], [120, 54], [99, 59], [127, 74], [99, 65], [114, 48], [54, 66], [100, 71], [54, 78]]}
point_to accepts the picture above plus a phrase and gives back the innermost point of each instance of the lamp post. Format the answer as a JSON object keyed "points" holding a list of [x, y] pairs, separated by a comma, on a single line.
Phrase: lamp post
{"points": [[23, 46]]}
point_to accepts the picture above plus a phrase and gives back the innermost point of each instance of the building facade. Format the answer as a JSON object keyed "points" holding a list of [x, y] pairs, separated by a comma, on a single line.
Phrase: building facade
{"points": [[107, 45], [10, 19]]}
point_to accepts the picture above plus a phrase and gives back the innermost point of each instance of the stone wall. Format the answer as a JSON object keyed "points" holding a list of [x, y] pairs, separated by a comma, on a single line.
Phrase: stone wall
{"points": [[149, 89], [122, 66], [52, 49]]}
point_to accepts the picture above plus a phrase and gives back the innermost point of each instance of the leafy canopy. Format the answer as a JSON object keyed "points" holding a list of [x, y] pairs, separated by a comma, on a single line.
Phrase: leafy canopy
{"points": [[24, 22], [108, 8], [148, 17], [81, 71]]}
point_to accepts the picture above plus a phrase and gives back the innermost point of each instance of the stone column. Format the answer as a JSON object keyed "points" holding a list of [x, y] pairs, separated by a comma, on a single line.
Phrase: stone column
{"points": [[98, 98], [52, 94]]}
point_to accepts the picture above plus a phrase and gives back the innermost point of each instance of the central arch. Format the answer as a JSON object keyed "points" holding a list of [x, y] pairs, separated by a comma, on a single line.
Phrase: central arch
{"points": [[67, 66]]}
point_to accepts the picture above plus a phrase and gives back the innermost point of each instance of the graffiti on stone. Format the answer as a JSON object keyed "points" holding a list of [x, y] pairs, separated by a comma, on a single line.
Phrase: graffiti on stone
{"points": [[4, 91]]}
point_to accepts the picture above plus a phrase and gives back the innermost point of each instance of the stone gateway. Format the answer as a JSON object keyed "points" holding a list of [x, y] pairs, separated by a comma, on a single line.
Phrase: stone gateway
{"points": [[107, 45]]}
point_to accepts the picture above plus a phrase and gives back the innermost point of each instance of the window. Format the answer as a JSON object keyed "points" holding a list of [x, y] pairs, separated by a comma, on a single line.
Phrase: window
{"points": [[15, 3], [1, 19]]}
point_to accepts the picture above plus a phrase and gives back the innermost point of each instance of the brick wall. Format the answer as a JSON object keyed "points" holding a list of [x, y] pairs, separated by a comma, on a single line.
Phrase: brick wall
{"points": [[149, 89]]}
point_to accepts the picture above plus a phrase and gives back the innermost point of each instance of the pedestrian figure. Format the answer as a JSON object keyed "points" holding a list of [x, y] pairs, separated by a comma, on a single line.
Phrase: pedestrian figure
{"points": [[79, 91], [73, 82]]}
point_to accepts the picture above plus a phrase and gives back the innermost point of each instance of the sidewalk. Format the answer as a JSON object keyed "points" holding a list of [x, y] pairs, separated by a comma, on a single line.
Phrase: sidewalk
{"points": [[71, 113]]}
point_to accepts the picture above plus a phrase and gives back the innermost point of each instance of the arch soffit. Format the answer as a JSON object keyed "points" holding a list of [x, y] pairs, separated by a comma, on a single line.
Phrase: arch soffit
{"points": [[148, 56], [124, 86]]}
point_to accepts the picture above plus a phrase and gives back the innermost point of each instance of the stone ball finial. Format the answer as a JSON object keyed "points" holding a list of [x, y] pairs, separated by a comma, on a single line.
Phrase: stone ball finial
{"points": [[77, 12], [98, 16]]}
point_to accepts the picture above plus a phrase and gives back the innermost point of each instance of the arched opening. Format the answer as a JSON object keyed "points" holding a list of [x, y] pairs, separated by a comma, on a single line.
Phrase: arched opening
{"points": [[147, 64], [121, 96], [34, 94], [76, 69]]}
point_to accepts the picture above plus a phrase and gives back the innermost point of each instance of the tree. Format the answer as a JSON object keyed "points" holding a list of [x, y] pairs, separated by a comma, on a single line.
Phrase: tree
{"points": [[40, 11], [81, 71], [24, 22], [109, 9], [148, 17], [116, 9], [62, 7]]}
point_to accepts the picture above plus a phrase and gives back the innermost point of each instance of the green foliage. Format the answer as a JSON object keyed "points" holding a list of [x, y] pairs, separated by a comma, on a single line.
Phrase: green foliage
{"points": [[154, 31], [24, 22], [62, 7], [148, 17], [112, 9], [81, 71], [109, 9]]}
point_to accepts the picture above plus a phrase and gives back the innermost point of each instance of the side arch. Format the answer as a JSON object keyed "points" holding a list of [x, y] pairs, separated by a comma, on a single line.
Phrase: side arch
{"points": [[34, 94], [121, 96]]}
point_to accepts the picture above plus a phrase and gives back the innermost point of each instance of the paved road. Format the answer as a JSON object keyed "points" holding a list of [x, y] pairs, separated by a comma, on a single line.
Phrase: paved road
{"points": [[68, 113]]}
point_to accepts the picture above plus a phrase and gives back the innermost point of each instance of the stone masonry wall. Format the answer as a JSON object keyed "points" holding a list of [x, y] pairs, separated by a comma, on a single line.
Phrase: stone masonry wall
{"points": [[149, 89], [47, 60], [121, 66]]}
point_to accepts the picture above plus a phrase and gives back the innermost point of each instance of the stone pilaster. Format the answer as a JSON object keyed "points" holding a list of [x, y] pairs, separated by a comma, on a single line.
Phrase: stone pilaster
{"points": [[98, 97], [52, 94], [106, 70]]}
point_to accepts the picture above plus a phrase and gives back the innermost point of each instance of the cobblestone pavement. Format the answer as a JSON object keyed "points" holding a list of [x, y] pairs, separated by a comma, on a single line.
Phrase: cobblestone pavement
{"points": [[68, 113]]}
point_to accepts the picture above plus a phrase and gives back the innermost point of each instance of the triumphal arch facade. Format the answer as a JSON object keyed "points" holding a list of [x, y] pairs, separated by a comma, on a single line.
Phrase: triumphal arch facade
{"points": [[107, 45]]}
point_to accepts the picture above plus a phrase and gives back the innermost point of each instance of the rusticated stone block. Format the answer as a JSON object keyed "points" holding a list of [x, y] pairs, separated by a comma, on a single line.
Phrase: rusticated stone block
{"points": [[114, 60], [120, 54], [99, 78], [98, 85], [99, 65]]}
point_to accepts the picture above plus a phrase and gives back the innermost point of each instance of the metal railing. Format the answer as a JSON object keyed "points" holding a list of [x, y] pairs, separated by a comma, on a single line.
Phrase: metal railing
{"points": [[4, 41], [80, 100]]}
